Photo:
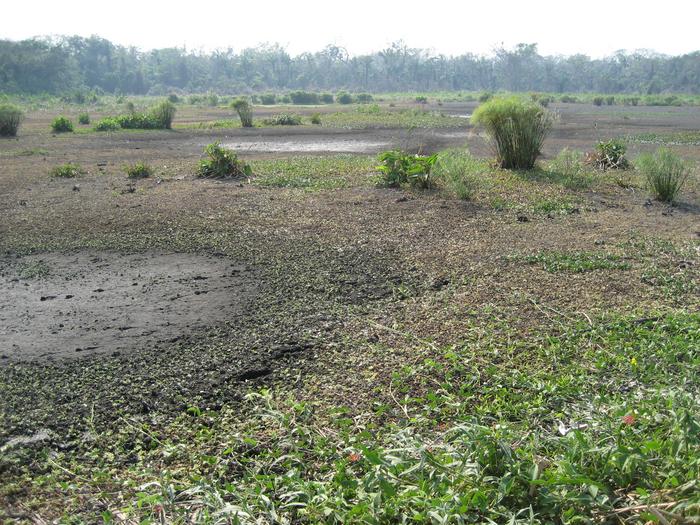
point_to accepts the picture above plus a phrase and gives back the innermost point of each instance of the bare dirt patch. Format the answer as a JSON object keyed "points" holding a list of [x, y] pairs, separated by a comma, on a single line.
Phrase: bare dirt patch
{"points": [[58, 306]]}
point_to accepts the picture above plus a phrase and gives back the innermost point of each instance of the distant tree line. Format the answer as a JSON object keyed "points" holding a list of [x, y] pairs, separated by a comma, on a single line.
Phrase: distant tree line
{"points": [[65, 64]]}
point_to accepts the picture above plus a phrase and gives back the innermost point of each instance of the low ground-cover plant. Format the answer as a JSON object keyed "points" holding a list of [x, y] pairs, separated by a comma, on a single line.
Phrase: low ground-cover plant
{"points": [[222, 163], [575, 262], [67, 171], [665, 173], [517, 128], [245, 112], [461, 174], [609, 155], [62, 124], [10, 119], [139, 170], [284, 119], [398, 167]]}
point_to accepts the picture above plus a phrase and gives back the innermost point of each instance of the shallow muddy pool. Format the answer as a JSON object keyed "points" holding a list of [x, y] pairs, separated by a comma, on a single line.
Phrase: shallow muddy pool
{"points": [[301, 146]]}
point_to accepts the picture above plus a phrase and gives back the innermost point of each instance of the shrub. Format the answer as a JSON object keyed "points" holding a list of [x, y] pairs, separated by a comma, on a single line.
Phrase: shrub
{"points": [[213, 99], [193, 99], [130, 107], [326, 98], [316, 118], [398, 167], [304, 97], [62, 125], [137, 121], [268, 99], [245, 112], [569, 99], [284, 119], [485, 96], [172, 97], [518, 129], [609, 155], [66, 171], [140, 170], [84, 119], [632, 101], [598, 101], [285, 99], [222, 163], [544, 101], [10, 119], [665, 173], [163, 114], [343, 97], [459, 172], [364, 98], [422, 99], [610, 100], [107, 124]]}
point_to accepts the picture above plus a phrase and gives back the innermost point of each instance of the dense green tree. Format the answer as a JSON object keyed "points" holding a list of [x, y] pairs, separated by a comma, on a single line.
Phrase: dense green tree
{"points": [[75, 64]]}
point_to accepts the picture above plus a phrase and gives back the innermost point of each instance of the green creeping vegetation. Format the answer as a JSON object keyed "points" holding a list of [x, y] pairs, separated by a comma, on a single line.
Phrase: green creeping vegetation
{"points": [[66, 171], [33, 270], [139, 170], [373, 116], [160, 116], [575, 262], [591, 423], [10, 119], [222, 163], [62, 124], [245, 112], [284, 119], [314, 173], [665, 173], [399, 168], [680, 138], [518, 129]]}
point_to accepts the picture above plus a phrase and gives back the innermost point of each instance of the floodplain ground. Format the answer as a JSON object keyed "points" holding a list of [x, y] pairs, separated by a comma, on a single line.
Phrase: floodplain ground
{"points": [[303, 346]]}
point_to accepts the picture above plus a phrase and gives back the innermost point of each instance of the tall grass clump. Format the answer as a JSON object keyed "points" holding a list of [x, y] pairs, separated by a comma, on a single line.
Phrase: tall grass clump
{"points": [[62, 125], [460, 173], [665, 173], [245, 112], [163, 114], [222, 163], [10, 119], [518, 129], [84, 119]]}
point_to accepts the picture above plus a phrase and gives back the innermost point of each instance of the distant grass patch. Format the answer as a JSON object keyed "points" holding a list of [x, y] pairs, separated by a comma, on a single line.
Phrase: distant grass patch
{"points": [[33, 270], [376, 117], [680, 138], [574, 262], [284, 119], [315, 173], [552, 205]]}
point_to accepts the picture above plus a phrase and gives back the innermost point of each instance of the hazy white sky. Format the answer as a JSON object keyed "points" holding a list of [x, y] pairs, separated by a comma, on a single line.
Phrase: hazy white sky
{"points": [[593, 27]]}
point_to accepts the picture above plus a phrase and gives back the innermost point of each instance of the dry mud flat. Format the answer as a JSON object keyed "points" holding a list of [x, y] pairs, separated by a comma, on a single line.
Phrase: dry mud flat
{"points": [[57, 306]]}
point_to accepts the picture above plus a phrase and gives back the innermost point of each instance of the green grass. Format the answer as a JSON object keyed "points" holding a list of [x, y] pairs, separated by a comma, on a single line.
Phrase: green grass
{"points": [[576, 262], [315, 173], [374, 117], [680, 138], [33, 270], [590, 423]]}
